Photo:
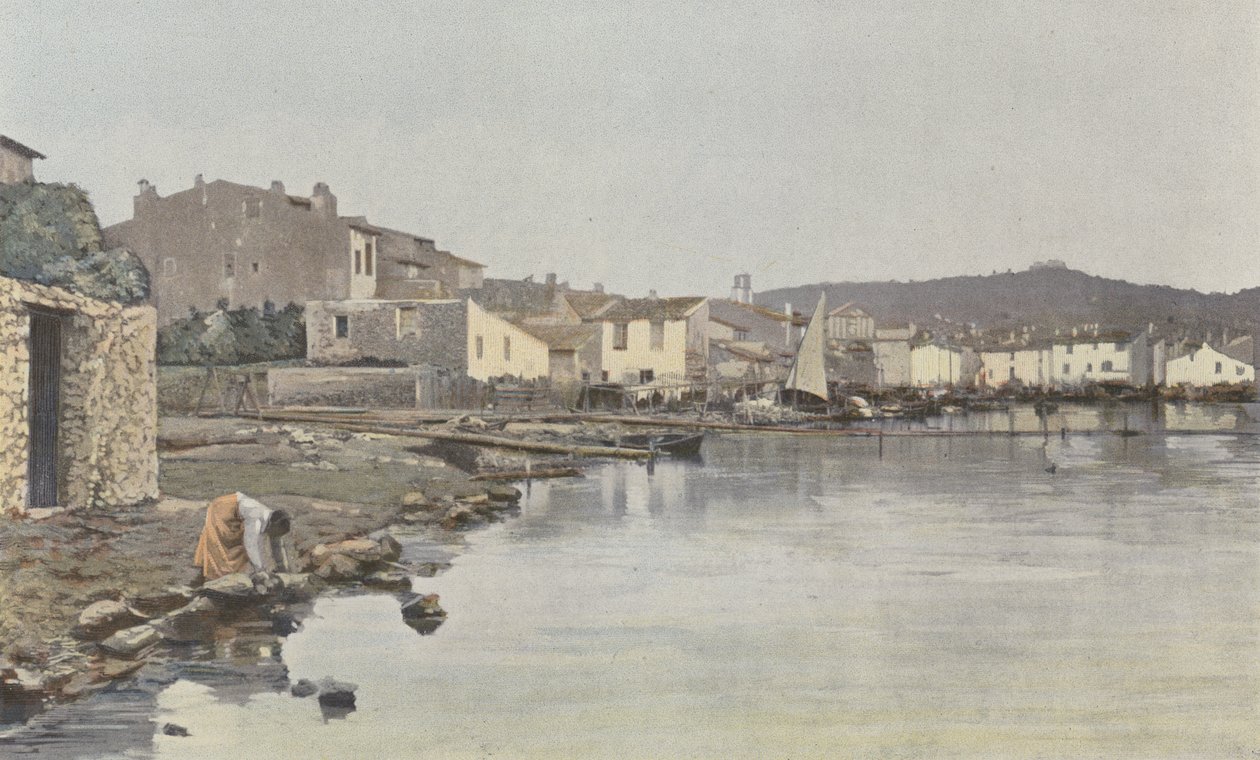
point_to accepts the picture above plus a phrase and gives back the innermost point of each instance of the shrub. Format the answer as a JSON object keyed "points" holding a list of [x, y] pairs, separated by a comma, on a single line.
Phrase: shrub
{"points": [[238, 336]]}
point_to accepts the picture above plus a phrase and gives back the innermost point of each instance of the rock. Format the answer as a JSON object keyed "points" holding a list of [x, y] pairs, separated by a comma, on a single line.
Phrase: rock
{"points": [[113, 668], [362, 549], [460, 515], [336, 693], [423, 613], [296, 586], [81, 684], [161, 601], [189, 623], [415, 500], [391, 550], [131, 643], [479, 498], [503, 493], [438, 489], [388, 580], [102, 618], [303, 688], [236, 587], [266, 584], [339, 568], [174, 729]]}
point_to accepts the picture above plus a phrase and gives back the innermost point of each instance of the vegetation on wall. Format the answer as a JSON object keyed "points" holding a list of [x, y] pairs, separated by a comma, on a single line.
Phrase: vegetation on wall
{"points": [[49, 234], [238, 336]]}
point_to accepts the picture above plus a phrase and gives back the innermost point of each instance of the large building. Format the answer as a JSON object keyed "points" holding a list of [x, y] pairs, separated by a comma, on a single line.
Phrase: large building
{"points": [[1102, 357], [223, 242]]}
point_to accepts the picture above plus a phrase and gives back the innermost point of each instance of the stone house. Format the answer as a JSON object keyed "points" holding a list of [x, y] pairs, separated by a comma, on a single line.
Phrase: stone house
{"points": [[223, 241], [413, 332], [78, 400], [655, 341], [17, 161]]}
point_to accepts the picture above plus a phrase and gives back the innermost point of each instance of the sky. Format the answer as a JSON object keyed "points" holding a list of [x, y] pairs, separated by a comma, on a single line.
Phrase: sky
{"points": [[671, 145]]}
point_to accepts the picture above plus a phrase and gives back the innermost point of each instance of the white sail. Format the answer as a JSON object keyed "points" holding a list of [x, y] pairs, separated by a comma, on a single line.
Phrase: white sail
{"points": [[809, 368]]}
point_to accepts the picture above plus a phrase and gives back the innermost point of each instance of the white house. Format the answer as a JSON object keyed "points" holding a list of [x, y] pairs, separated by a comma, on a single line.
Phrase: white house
{"points": [[654, 341], [1111, 357], [498, 348], [1204, 365], [1026, 365], [933, 365], [850, 322]]}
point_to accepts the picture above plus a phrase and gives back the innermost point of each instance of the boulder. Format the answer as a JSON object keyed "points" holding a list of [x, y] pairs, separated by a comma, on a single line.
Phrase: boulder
{"points": [[100, 619], [233, 588], [461, 515], [303, 688], [336, 693], [295, 586], [131, 643], [501, 493], [391, 550], [340, 568], [388, 580], [415, 500], [422, 606], [362, 549], [318, 554], [266, 584], [82, 684], [174, 729], [113, 668], [478, 498], [161, 601], [189, 623]]}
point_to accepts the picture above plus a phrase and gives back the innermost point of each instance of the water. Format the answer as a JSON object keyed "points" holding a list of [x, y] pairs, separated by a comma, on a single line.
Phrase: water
{"points": [[795, 597]]}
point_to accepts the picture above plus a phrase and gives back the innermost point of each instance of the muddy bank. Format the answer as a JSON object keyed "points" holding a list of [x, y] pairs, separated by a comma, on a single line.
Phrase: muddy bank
{"points": [[337, 486]]}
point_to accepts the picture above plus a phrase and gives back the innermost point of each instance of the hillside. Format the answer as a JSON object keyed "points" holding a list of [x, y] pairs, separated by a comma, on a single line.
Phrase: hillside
{"points": [[1046, 297]]}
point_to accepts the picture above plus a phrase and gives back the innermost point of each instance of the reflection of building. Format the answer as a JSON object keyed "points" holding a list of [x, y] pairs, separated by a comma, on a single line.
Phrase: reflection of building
{"points": [[78, 400]]}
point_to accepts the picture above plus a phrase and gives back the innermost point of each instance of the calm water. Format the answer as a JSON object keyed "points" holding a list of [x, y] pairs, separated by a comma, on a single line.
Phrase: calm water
{"points": [[793, 597]]}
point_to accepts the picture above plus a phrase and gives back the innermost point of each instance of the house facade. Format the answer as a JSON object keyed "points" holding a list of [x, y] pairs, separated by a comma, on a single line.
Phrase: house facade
{"points": [[78, 400], [1024, 365], [226, 242], [1112, 357], [850, 322], [498, 348], [936, 366], [413, 332], [17, 162], [1203, 365], [654, 341]]}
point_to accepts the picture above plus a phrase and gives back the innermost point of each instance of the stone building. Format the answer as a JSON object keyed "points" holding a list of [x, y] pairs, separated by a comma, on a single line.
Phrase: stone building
{"points": [[223, 241], [78, 400], [413, 332], [16, 161]]}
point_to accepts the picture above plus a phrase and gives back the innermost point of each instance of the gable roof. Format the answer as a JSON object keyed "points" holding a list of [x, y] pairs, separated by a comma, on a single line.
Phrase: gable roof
{"points": [[1241, 350], [588, 305], [17, 147], [653, 308], [848, 309], [560, 337], [727, 322]]}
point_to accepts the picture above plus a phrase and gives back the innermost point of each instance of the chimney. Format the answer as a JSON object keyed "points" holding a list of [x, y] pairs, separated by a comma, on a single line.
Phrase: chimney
{"points": [[551, 278], [277, 186], [652, 294], [787, 328], [598, 287], [147, 194], [323, 201], [199, 181]]}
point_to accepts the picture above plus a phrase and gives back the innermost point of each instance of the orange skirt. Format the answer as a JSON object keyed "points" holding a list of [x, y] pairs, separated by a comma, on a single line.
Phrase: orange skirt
{"points": [[221, 549]]}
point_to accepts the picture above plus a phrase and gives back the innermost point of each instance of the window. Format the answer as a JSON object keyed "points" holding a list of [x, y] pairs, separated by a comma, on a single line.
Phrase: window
{"points": [[1089, 367], [990, 374], [229, 265], [341, 326], [507, 348], [603, 375], [1218, 368], [1069, 349], [1106, 366], [586, 376], [1012, 377], [252, 207], [168, 267], [1067, 369], [621, 336], [741, 335], [481, 347], [367, 258], [408, 321], [358, 261], [413, 271], [254, 267], [1239, 371], [1012, 356], [646, 376], [658, 336]]}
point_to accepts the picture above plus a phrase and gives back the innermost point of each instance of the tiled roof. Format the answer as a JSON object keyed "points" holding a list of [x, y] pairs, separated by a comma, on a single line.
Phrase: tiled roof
{"points": [[589, 304], [561, 337], [653, 308], [17, 147]]}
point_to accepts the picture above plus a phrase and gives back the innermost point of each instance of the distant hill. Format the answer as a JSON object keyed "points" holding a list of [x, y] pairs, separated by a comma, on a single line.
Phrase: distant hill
{"points": [[1047, 297]]}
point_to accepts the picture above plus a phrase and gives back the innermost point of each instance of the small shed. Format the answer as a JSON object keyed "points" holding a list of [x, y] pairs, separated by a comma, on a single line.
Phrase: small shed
{"points": [[78, 400]]}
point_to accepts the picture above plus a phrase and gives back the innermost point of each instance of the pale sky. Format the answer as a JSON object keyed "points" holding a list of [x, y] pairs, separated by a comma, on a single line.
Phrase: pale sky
{"points": [[668, 145]]}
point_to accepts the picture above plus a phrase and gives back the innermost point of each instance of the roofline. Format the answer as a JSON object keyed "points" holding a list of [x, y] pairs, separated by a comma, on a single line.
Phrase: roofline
{"points": [[14, 145]]}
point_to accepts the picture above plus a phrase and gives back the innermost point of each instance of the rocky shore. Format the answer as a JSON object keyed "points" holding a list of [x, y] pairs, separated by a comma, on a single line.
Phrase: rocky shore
{"points": [[88, 598]]}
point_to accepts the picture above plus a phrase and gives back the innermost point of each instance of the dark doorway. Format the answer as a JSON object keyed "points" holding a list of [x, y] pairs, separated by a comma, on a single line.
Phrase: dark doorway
{"points": [[45, 395]]}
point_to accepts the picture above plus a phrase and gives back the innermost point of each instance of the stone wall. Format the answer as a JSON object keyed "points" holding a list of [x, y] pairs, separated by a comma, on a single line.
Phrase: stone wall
{"points": [[374, 330], [373, 387], [107, 437]]}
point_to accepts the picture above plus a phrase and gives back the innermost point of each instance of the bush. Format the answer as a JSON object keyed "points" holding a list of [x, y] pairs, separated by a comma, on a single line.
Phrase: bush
{"points": [[239, 336], [49, 234]]}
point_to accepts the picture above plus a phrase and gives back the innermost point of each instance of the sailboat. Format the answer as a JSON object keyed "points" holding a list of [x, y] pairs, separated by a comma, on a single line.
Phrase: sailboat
{"points": [[807, 379]]}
